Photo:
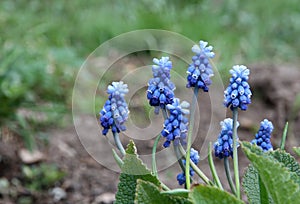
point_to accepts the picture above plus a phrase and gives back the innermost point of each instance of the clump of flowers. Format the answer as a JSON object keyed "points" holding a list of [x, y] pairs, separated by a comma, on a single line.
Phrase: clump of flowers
{"points": [[224, 145], [139, 184], [195, 158], [263, 136], [238, 93], [160, 88], [115, 110], [175, 126], [200, 70]]}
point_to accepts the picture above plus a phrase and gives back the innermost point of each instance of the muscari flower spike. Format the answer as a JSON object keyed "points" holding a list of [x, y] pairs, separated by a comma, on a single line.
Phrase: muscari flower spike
{"points": [[200, 70], [238, 93], [160, 88], [195, 158], [176, 125], [115, 111], [263, 136], [224, 145]]}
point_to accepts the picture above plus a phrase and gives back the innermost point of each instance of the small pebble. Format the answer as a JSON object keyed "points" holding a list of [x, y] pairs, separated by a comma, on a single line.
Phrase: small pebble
{"points": [[58, 194], [105, 198]]}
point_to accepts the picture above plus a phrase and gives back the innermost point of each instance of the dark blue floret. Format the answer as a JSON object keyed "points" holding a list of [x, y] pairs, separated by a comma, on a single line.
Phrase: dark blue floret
{"points": [[176, 125], [238, 93], [224, 145], [195, 158], [263, 136], [200, 70], [115, 111], [160, 88], [181, 178]]}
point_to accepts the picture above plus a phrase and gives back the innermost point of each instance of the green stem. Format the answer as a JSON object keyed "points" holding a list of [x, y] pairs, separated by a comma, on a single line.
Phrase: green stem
{"points": [[118, 143], [283, 139], [179, 156], [196, 169], [213, 169], [164, 186], [228, 175], [189, 138], [164, 112], [264, 198], [235, 155], [117, 158], [154, 168]]}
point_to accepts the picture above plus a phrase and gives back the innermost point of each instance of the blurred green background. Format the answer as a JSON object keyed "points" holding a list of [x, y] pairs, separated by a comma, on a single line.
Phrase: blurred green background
{"points": [[43, 44]]}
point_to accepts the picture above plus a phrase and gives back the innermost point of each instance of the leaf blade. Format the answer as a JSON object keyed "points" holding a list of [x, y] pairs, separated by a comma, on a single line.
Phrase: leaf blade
{"points": [[132, 170], [276, 177], [147, 192], [204, 194]]}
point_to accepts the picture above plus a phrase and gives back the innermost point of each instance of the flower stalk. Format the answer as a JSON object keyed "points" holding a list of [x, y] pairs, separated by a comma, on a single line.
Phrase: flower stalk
{"points": [[213, 169], [179, 156], [228, 175], [154, 168], [196, 169], [235, 155], [189, 138], [119, 143]]}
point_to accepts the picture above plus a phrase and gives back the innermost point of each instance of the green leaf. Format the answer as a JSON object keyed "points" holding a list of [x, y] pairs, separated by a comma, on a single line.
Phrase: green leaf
{"points": [[251, 185], [178, 192], [284, 134], [276, 178], [289, 162], [210, 195], [132, 170], [147, 192], [131, 149], [297, 150], [254, 187]]}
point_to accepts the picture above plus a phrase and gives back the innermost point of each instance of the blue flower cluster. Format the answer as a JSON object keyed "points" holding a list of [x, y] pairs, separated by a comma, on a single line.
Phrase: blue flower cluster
{"points": [[176, 125], [263, 136], [115, 110], [160, 88], [238, 93], [224, 145], [195, 158], [200, 70]]}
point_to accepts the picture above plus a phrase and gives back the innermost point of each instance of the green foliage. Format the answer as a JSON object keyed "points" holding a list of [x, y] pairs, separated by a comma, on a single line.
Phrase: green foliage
{"points": [[297, 150], [132, 170], [177, 192], [273, 177], [289, 162], [254, 187], [251, 185], [146, 192], [211, 195], [41, 177], [278, 179]]}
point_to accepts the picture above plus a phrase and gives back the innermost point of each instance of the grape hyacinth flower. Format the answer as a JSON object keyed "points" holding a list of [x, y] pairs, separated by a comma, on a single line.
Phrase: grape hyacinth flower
{"points": [[175, 126], [200, 70], [224, 145], [195, 158], [238, 93], [115, 111], [263, 136], [160, 88]]}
